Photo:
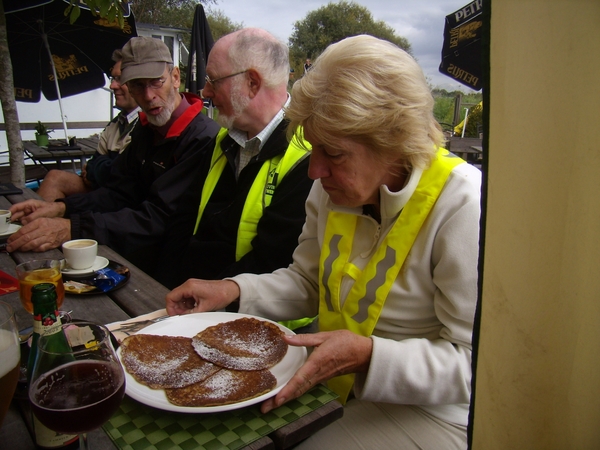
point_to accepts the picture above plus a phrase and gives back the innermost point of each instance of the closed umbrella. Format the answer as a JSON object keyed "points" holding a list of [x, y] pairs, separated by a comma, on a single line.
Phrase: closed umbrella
{"points": [[200, 46], [53, 57]]}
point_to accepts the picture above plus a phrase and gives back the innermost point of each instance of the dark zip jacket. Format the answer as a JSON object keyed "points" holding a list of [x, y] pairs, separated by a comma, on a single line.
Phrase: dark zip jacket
{"points": [[210, 253], [148, 180]]}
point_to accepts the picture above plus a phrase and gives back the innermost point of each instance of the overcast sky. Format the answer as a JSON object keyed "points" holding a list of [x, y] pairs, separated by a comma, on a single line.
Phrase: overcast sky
{"points": [[420, 21]]}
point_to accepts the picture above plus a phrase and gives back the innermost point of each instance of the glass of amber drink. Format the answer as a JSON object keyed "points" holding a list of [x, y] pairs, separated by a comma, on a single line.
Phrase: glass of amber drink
{"points": [[77, 382], [10, 357], [36, 272]]}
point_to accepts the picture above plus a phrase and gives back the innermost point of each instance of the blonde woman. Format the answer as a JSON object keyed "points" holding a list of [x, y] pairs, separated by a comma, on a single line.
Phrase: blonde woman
{"points": [[387, 257]]}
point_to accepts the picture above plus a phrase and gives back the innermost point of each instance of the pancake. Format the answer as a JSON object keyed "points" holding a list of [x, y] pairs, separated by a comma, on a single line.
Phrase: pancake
{"points": [[164, 361], [242, 344], [224, 387]]}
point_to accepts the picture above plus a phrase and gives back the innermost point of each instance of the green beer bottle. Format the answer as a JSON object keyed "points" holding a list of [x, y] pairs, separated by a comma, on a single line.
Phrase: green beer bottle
{"points": [[46, 320]]}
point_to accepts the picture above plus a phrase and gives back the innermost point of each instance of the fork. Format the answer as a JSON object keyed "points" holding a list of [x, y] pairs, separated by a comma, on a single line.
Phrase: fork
{"points": [[132, 327]]}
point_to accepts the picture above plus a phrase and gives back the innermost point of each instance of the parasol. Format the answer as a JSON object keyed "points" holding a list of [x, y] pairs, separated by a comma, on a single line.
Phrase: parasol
{"points": [[461, 51], [80, 52]]}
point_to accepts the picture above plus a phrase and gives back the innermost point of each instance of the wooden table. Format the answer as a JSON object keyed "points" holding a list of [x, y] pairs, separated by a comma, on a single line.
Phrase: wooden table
{"points": [[56, 155], [141, 295], [468, 149]]}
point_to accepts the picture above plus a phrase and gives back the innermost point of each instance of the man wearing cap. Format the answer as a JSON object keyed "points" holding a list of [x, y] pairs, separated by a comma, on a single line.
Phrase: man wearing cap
{"points": [[112, 141], [148, 179]]}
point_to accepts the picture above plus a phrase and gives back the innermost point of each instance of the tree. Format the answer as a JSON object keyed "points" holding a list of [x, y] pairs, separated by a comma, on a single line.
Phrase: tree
{"points": [[332, 23], [169, 13], [109, 9], [180, 14], [220, 24]]}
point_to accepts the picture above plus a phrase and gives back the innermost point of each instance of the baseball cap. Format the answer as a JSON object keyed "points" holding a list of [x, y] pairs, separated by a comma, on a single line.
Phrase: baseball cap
{"points": [[144, 57]]}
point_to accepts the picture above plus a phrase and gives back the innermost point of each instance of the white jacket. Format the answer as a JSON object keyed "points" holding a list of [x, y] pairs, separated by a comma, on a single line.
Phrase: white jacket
{"points": [[422, 341]]}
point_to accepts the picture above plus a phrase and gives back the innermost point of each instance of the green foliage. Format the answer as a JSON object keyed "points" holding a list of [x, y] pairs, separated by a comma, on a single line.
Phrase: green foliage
{"points": [[443, 110], [42, 129], [168, 13], [332, 23], [111, 10], [220, 24]]}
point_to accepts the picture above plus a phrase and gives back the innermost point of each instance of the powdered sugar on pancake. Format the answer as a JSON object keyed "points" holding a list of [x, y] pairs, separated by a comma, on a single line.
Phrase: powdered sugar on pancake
{"points": [[242, 344], [164, 361], [224, 387]]}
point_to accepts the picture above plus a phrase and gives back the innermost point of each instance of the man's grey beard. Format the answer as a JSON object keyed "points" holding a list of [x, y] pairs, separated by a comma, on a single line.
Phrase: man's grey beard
{"points": [[239, 103], [167, 111]]}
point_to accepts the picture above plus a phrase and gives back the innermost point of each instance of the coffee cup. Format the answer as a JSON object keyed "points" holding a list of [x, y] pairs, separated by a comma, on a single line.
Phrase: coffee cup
{"points": [[80, 253], [4, 220]]}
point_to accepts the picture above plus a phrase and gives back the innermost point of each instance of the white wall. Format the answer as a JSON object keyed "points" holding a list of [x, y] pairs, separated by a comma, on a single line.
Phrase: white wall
{"points": [[90, 106]]}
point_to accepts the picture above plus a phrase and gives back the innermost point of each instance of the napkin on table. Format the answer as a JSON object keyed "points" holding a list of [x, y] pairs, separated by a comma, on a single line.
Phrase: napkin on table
{"points": [[120, 335]]}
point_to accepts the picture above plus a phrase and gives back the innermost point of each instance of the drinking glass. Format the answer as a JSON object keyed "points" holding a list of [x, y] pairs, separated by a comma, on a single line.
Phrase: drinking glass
{"points": [[40, 271], [75, 390], [10, 357]]}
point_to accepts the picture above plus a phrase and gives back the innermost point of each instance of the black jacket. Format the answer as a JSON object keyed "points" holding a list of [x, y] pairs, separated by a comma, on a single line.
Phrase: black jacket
{"points": [[148, 180], [210, 253]]}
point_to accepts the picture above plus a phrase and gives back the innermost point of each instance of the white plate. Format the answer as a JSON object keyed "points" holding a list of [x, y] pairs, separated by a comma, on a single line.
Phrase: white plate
{"points": [[190, 325], [12, 228], [100, 263]]}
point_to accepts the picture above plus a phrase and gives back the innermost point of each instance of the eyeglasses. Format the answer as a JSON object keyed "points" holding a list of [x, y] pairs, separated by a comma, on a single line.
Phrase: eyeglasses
{"points": [[115, 79], [212, 82], [138, 86]]}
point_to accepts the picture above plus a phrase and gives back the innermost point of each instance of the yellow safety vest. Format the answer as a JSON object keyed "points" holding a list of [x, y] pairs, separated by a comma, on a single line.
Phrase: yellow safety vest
{"points": [[259, 197], [260, 194], [372, 284]]}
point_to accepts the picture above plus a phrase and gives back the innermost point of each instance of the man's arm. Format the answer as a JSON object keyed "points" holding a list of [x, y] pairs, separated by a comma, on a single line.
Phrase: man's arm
{"points": [[98, 168], [30, 210], [136, 229]]}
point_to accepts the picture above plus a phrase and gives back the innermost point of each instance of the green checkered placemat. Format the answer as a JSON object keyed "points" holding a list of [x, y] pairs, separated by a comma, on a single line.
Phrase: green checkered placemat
{"points": [[136, 426]]}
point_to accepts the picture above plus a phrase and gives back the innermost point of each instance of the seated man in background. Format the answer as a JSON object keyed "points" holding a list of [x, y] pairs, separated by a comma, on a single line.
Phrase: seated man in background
{"points": [[148, 179], [247, 210], [113, 140]]}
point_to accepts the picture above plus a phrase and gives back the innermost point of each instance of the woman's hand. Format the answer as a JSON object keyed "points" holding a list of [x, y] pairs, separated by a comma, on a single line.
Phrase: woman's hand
{"points": [[335, 353], [201, 295]]}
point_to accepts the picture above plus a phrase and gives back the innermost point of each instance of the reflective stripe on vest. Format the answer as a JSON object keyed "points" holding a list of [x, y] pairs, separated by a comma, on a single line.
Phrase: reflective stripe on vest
{"points": [[372, 284], [260, 194]]}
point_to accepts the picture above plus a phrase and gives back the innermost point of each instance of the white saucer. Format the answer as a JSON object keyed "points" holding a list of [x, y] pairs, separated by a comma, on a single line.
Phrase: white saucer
{"points": [[12, 228], [100, 263]]}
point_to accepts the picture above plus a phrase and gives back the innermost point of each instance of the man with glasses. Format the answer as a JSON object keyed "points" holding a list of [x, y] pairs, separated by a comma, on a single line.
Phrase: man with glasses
{"points": [[148, 179], [112, 141], [249, 201]]}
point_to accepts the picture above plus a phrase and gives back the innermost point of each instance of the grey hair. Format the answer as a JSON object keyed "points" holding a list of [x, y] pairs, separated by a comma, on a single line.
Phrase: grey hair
{"points": [[254, 48]]}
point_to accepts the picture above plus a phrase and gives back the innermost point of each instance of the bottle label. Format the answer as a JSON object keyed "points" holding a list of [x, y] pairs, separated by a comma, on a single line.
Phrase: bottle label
{"points": [[47, 438], [47, 323]]}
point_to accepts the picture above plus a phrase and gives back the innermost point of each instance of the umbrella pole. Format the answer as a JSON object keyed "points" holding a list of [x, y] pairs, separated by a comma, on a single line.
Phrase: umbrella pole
{"points": [[45, 38], [465, 122]]}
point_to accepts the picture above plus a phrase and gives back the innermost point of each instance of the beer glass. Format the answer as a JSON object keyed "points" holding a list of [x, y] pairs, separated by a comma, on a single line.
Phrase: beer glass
{"points": [[10, 357], [77, 385], [40, 271]]}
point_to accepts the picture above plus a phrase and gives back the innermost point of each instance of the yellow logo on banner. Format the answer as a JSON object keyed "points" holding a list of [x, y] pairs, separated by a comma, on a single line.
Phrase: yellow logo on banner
{"points": [[103, 22], [67, 67]]}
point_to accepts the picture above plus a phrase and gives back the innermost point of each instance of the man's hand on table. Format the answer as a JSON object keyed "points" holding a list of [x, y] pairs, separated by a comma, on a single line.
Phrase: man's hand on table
{"points": [[201, 295], [40, 235], [29, 210]]}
